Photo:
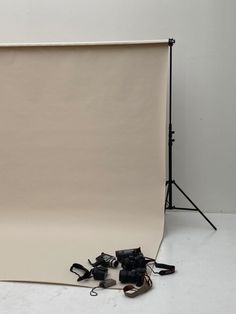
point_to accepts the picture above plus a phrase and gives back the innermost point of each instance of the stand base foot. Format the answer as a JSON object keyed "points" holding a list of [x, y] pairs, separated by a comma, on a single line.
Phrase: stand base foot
{"points": [[195, 208]]}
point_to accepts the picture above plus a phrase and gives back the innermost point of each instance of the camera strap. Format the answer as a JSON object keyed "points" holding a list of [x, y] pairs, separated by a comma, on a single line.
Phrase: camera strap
{"points": [[131, 291], [167, 269], [87, 273]]}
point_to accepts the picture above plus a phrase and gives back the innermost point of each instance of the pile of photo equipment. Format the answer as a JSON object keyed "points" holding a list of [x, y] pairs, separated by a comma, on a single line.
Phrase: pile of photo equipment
{"points": [[135, 270]]}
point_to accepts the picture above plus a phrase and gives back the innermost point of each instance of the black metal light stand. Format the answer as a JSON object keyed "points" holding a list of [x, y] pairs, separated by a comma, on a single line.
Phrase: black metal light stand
{"points": [[170, 183]]}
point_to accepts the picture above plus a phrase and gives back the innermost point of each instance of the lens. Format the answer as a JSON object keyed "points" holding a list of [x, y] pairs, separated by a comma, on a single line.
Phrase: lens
{"points": [[110, 260], [140, 274], [113, 263], [135, 276], [126, 276]]}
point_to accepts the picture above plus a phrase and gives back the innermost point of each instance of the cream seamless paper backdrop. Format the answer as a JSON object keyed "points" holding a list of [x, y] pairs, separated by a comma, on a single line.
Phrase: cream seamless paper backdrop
{"points": [[82, 155]]}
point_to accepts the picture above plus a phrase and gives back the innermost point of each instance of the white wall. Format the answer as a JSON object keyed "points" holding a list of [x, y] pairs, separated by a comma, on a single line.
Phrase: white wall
{"points": [[204, 93]]}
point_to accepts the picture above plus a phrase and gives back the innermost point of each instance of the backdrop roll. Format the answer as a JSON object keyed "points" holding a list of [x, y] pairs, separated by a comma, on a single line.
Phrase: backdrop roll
{"points": [[82, 157]]}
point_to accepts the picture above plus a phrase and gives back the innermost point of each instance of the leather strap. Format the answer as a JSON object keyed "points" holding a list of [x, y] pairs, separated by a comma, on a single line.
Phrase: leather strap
{"points": [[131, 291]]}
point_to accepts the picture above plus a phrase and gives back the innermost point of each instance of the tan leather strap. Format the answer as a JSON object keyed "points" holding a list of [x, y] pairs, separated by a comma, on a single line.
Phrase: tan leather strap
{"points": [[132, 291]]}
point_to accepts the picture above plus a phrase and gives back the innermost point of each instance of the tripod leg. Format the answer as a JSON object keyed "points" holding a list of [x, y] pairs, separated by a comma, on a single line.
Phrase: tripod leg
{"points": [[213, 226], [167, 194]]}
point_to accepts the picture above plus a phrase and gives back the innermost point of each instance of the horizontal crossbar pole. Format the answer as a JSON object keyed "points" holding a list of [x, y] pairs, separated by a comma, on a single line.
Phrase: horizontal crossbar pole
{"points": [[185, 208]]}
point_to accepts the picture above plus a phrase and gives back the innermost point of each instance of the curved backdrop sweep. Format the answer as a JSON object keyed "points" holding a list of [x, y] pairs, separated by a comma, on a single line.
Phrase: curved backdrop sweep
{"points": [[82, 155]]}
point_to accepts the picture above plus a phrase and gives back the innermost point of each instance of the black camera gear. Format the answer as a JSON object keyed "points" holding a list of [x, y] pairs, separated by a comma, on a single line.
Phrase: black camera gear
{"points": [[122, 254], [99, 272], [135, 276], [134, 271], [134, 261], [105, 260]]}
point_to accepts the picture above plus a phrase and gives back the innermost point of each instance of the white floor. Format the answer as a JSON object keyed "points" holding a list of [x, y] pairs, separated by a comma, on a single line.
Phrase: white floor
{"points": [[205, 281]]}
